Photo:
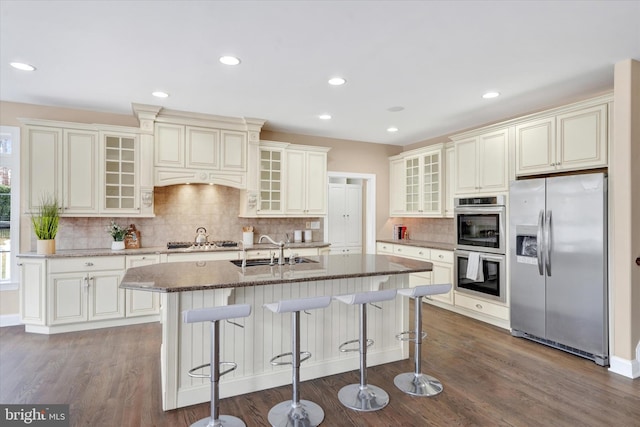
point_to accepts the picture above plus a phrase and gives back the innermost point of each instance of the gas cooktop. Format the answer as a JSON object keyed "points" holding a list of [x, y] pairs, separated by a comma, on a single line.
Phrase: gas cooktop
{"points": [[209, 245]]}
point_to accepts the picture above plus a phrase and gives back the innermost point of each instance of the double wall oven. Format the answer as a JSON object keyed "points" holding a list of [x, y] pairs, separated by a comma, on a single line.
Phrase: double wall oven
{"points": [[480, 255]]}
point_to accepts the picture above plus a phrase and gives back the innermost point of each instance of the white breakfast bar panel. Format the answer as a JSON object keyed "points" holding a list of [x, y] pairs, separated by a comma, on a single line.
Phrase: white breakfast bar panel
{"points": [[264, 335], [252, 341]]}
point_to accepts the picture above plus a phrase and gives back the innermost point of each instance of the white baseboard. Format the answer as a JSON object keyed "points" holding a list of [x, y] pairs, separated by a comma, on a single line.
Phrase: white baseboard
{"points": [[9, 320], [627, 368]]}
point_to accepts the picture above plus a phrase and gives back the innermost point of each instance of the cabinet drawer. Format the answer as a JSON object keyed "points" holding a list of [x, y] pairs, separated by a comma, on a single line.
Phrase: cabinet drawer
{"points": [[86, 264], [481, 306], [412, 252], [442, 256], [384, 248]]}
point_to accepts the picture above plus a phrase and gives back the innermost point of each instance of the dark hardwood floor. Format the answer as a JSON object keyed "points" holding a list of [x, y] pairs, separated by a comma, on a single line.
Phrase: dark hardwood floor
{"points": [[111, 378]]}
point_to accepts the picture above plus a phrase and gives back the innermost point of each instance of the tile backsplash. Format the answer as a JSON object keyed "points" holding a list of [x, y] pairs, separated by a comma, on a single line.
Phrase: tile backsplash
{"points": [[430, 229], [180, 209]]}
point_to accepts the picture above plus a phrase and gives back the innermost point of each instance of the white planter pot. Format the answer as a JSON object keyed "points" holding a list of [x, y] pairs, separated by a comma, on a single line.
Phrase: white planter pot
{"points": [[45, 247], [117, 246]]}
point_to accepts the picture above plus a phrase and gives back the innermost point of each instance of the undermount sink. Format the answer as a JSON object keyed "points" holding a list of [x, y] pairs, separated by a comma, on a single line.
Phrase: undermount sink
{"points": [[267, 261]]}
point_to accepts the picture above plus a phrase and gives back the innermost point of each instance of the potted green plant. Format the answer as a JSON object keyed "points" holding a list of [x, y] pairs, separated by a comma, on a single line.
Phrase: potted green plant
{"points": [[45, 224], [117, 233]]}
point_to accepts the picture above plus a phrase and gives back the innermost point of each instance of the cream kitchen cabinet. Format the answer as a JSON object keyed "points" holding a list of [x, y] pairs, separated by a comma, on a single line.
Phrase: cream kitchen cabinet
{"points": [[305, 181], [194, 154], [141, 303], [482, 162], [85, 290], [33, 291], [571, 140], [396, 186], [270, 179], [93, 170], [41, 164], [65, 294], [449, 181], [63, 163], [421, 178], [442, 261]]}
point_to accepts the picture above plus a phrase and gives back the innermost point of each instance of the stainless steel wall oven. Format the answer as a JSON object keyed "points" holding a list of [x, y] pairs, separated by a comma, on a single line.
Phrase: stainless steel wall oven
{"points": [[480, 255], [481, 224], [491, 281]]}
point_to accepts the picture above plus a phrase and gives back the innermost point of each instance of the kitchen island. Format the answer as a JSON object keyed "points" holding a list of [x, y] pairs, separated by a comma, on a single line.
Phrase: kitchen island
{"points": [[251, 342]]}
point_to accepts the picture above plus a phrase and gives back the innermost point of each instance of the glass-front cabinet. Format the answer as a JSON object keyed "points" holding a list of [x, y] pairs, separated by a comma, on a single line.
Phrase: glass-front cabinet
{"points": [[270, 181], [421, 191], [120, 173]]}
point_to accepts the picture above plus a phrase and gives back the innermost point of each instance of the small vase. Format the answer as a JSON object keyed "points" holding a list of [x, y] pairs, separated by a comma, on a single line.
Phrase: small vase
{"points": [[45, 247], [117, 245]]}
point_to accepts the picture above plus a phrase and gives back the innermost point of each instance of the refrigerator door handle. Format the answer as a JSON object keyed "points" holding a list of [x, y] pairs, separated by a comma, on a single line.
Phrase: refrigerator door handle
{"points": [[540, 242], [547, 243]]}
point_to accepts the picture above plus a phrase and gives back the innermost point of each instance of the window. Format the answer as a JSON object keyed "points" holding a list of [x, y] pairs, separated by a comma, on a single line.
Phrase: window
{"points": [[9, 205]]}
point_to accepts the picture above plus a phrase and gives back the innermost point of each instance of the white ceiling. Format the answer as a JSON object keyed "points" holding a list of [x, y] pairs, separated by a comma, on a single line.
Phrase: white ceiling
{"points": [[434, 58]]}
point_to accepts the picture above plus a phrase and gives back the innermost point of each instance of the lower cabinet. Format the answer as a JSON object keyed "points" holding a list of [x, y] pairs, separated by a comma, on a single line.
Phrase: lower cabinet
{"points": [[442, 266], [478, 308], [85, 289], [81, 293], [141, 303]]}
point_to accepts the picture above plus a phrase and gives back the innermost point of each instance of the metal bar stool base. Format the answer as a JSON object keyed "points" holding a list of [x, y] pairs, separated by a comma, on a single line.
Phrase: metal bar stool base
{"points": [[369, 398], [222, 421], [306, 414], [418, 384]]}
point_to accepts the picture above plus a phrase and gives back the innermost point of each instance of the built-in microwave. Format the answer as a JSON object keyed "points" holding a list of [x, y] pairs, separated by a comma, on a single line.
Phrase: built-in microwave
{"points": [[487, 280], [480, 224]]}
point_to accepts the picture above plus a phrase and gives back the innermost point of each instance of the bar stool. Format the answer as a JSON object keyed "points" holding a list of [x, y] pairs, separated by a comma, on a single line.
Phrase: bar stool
{"points": [[416, 383], [296, 412], [214, 315], [363, 396]]}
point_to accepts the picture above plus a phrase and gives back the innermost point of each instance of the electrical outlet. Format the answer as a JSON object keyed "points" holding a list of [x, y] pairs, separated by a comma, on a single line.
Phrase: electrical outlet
{"points": [[315, 225], [308, 225]]}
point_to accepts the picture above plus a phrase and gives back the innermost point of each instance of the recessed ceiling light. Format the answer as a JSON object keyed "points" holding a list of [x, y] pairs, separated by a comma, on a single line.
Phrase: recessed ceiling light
{"points": [[325, 116], [392, 129], [22, 66], [159, 94], [337, 81], [229, 60], [489, 95]]}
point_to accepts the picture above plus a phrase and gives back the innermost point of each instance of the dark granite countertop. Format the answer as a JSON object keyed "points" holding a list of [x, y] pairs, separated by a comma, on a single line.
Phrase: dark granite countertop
{"points": [[164, 250], [192, 276], [421, 243]]}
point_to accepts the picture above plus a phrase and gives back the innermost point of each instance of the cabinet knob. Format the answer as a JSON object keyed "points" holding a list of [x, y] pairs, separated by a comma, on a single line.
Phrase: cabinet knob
{"points": [[440, 256], [479, 306], [88, 264]]}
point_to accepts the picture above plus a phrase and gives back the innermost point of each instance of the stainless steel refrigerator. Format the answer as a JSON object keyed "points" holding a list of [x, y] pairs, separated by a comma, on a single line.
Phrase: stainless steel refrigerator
{"points": [[558, 263]]}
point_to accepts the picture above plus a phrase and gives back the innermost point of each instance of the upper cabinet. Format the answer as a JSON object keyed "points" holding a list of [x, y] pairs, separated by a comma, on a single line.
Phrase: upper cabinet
{"points": [[417, 182], [567, 140], [291, 181], [196, 154], [482, 162], [92, 170], [200, 148], [306, 181], [449, 180]]}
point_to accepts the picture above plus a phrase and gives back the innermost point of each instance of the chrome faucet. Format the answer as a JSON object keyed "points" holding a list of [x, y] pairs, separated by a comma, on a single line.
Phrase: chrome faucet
{"points": [[279, 244]]}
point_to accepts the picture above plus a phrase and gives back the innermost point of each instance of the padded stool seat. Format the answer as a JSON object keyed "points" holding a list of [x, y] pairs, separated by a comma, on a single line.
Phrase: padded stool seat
{"points": [[416, 383], [296, 412], [364, 397], [214, 315]]}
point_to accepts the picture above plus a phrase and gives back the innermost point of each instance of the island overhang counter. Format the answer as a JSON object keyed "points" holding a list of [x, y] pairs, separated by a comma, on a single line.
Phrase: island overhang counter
{"points": [[252, 341]]}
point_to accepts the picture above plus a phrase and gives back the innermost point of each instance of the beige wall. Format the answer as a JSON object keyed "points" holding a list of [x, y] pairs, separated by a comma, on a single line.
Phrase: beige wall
{"points": [[625, 211], [10, 112]]}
